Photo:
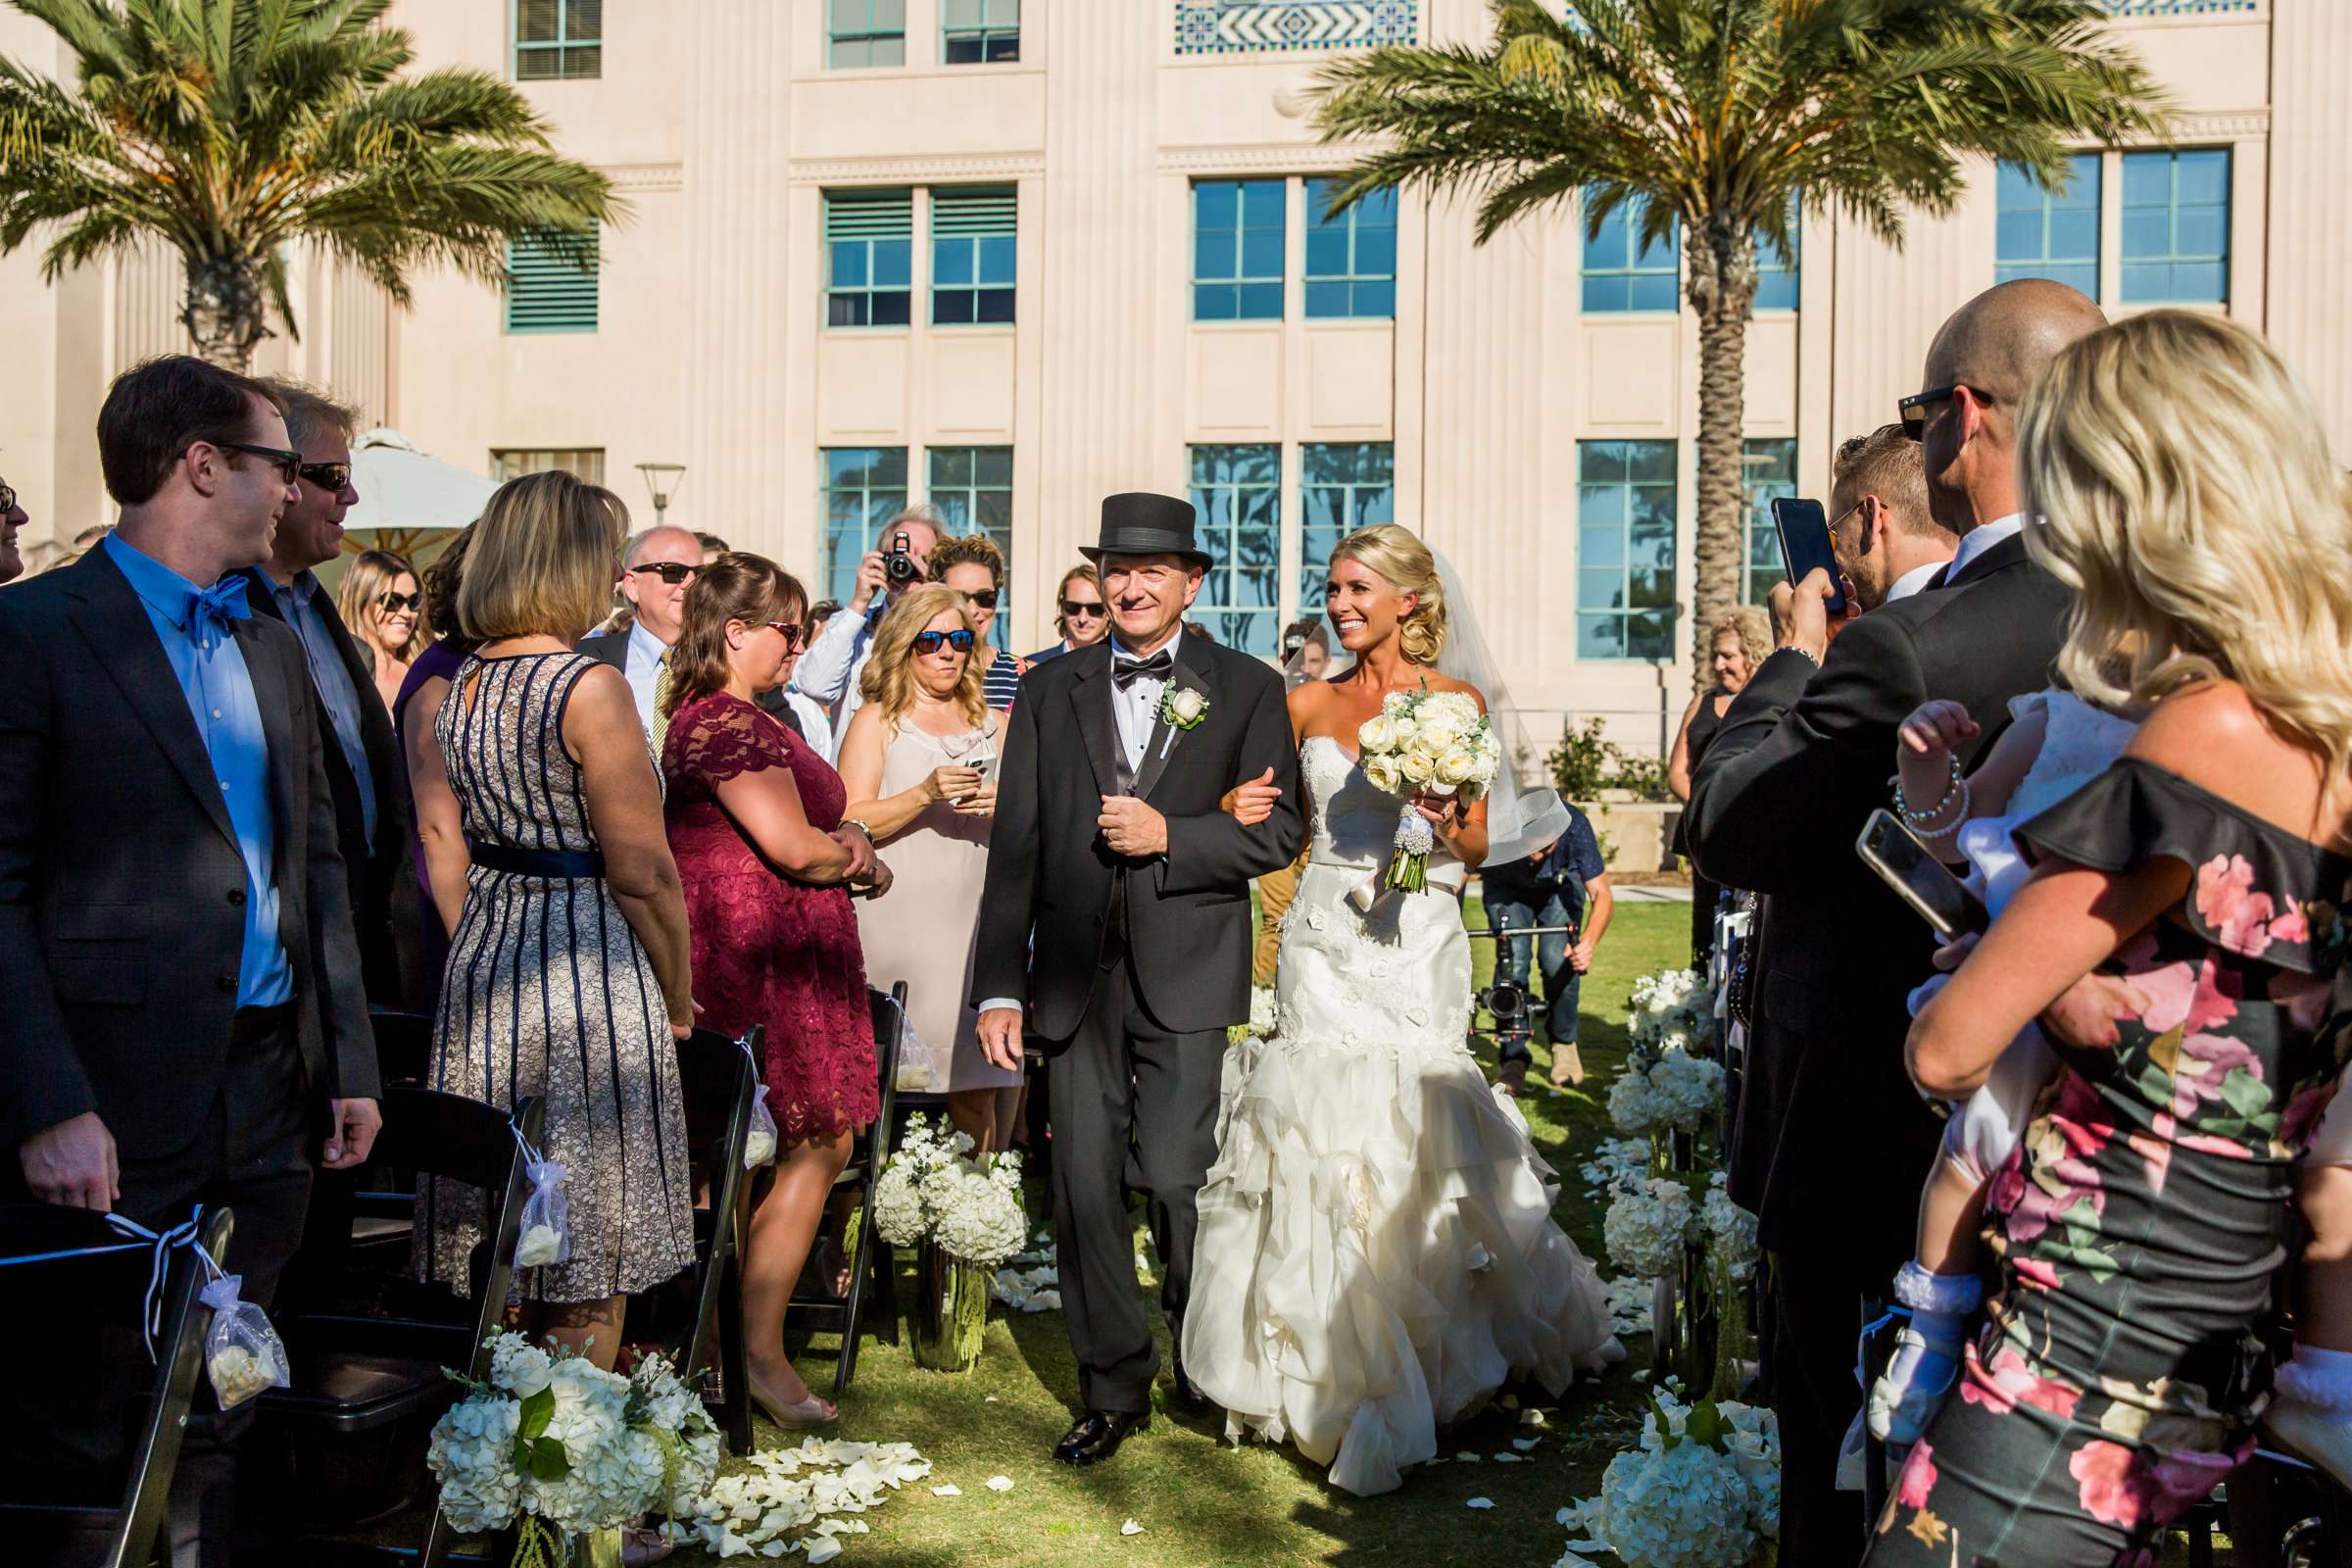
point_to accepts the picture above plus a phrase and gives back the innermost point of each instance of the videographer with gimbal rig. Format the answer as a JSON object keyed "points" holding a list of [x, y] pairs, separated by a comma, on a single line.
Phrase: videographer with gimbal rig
{"points": [[900, 560], [1562, 893]]}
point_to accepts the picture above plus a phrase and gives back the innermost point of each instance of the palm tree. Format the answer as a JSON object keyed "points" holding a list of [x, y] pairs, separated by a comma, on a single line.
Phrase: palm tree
{"points": [[230, 129], [1725, 115]]}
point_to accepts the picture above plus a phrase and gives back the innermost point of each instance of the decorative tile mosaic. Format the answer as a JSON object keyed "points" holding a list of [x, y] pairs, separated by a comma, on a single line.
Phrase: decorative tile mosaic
{"points": [[2181, 7], [1267, 26]]}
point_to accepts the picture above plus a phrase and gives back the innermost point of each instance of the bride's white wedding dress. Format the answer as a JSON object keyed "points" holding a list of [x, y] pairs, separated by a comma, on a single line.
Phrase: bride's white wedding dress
{"points": [[1376, 1252]]}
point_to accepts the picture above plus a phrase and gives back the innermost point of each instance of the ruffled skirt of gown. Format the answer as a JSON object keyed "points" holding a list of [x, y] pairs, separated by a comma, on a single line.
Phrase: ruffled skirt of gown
{"points": [[1376, 1252]]}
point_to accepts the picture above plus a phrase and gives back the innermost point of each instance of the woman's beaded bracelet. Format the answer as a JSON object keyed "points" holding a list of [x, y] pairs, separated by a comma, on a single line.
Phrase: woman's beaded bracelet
{"points": [[1915, 819]]}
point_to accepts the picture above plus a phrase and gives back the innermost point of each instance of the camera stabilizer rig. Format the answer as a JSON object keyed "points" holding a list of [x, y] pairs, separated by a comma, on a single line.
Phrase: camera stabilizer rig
{"points": [[1507, 1002]]}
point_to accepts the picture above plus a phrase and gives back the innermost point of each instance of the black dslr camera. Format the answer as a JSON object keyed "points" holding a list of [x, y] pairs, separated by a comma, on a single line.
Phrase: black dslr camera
{"points": [[898, 563], [1508, 1004]]}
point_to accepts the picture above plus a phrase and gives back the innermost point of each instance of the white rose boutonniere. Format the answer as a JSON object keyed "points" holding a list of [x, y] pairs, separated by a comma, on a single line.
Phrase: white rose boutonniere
{"points": [[1183, 708]]}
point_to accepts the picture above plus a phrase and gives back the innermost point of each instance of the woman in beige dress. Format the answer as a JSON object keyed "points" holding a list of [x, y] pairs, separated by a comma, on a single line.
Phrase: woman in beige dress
{"points": [[919, 763]]}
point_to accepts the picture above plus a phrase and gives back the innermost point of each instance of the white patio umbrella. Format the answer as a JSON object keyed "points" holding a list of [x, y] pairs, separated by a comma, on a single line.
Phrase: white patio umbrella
{"points": [[406, 496]]}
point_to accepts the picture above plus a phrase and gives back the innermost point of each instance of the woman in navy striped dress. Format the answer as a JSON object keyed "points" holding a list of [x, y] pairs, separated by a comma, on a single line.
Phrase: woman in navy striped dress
{"points": [[567, 973]]}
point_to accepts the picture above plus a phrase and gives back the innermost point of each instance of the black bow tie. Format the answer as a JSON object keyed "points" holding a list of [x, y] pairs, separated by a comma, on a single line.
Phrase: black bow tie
{"points": [[1125, 671]]}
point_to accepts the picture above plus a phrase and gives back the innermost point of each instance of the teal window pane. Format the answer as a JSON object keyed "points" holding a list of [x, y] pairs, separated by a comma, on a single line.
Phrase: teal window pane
{"points": [[973, 488], [864, 487], [1342, 486], [1237, 250], [1627, 565], [1350, 259], [2044, 233], [1236, 490], [1768, 469], [2177, 228], [1621, 274]]}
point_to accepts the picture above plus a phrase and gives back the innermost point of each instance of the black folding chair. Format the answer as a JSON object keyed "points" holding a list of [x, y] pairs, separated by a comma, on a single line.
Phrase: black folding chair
{"points": [[118, 1530], [404, 1045], [2281, 1511], [346, 1442], [720, 1081], [871, 1267]]}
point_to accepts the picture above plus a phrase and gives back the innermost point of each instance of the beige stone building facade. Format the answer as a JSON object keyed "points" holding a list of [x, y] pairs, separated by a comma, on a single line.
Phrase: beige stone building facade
{"points": [[1010, 255]]}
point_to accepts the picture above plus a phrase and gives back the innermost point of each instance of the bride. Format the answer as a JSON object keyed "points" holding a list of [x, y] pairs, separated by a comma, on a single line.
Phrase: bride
{"points": [[1376, 1254]]}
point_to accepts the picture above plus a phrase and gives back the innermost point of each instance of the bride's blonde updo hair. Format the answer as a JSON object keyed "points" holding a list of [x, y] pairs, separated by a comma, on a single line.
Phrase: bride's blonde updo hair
{"points": [[2177, 477], [1399, 559]]}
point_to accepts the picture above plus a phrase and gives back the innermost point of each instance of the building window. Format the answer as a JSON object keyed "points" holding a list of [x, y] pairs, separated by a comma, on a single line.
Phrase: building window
{"points": [[2044, 235], [1776, 276], [584, 463], [972, 256], [2177, 228], [551, 283], [865, 33], [976, 32], [1342, 487], [1622, 274], [1237, 492], [1350, 259], [559, 40], [973, 488], [864, 488], [870, 255], [1768, 469], [1237, 250], [1625, 558]]}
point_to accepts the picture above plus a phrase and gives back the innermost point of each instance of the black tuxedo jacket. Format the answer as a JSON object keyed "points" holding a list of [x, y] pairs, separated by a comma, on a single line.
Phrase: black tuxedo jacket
{"points": [[612, 648], [372, 867], [121, 888], [1188, 912], [1832, 1141]]}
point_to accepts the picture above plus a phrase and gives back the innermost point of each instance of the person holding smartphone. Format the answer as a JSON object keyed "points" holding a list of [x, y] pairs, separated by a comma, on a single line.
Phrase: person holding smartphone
{"points": [[920, 761]]}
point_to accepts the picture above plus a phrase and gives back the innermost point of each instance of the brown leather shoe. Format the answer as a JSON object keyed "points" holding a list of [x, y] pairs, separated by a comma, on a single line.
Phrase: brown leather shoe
{"points": [[1567, 1067], [1512, 1077]]}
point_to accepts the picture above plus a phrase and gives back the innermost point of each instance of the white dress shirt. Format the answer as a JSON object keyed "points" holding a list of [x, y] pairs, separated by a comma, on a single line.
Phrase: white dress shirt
{"points": [[1912, 581], [644, 659], [815, 729], [1137, 708], [1983, 537], [831, 666]]}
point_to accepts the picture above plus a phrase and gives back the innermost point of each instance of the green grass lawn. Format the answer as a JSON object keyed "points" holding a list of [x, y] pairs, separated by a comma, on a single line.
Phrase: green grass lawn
{"points": [[1200, 1502]]}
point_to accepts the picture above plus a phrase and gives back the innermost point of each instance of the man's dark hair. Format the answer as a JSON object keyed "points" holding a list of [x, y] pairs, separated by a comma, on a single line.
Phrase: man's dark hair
{"points": [[712, 541], [155, 412]]}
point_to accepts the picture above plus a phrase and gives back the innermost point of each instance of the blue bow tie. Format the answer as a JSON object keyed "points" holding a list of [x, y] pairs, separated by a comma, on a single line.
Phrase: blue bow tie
{"points": [[224, 602]]}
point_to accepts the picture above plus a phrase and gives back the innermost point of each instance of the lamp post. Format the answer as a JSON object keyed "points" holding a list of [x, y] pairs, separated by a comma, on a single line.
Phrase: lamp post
{"points": [[662, 480]]}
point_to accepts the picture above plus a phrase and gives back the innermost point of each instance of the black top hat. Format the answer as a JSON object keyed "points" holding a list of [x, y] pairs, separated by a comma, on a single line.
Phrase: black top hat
{"points": [[1137, 522]]}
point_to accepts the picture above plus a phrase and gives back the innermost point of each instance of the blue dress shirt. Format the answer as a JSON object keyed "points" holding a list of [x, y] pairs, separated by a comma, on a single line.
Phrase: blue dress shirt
{"points": [[330, 678], [212, 678]]}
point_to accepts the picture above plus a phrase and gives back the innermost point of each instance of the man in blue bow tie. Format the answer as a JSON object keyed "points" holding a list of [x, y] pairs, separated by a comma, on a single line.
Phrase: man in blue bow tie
{"points": [[185, 1024]]}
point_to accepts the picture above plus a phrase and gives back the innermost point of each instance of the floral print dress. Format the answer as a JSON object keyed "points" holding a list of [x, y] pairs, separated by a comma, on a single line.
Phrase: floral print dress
{"points": [[2142, 1224]]}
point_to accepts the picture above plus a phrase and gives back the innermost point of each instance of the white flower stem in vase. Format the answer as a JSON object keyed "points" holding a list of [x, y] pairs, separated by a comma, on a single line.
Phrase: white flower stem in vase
{"points": [[952, 1310]]}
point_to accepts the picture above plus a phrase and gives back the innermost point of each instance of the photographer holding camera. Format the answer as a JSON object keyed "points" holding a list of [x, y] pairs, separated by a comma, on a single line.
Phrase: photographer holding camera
{"points": [[1565, 884], [901, 559]]}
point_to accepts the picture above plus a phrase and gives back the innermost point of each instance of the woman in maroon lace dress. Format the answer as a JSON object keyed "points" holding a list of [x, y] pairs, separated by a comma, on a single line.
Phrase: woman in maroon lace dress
{"points": [[754, 822]]}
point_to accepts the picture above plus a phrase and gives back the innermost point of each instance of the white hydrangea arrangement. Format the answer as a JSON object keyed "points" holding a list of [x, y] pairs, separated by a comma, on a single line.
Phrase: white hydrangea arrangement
{"points": [[568, 1448], [1703, 1490], [936, 1190], [1426, 743], [800, 1499], [1667, 1084], [1730, 1231], [1647, 1227], [1669, 1010]]}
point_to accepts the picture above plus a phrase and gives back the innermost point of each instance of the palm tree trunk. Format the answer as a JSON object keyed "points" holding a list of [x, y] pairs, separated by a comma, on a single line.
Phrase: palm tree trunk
{"points": [[226, 313], [1723, 291]]}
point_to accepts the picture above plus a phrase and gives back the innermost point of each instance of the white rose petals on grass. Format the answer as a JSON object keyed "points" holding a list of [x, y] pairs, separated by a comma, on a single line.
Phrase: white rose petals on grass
{"points": [[1000, 1483], [1131, 1528], [950, 1489], [1480, 1502], [802, 1498]]}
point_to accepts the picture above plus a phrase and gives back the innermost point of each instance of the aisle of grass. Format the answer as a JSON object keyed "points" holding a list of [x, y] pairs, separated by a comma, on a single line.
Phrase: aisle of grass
{"points": [[1200, 1503]]}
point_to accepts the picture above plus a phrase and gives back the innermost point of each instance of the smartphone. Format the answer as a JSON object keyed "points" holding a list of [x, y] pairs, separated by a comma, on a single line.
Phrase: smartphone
{"points": [[1804, 530], [1919, 879], [987, 765]]}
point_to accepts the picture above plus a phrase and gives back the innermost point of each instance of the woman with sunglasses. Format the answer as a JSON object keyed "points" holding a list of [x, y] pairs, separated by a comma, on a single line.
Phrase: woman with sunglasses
{"points": [[383, 605], [974, 568], [756, 820], [919, 763]]}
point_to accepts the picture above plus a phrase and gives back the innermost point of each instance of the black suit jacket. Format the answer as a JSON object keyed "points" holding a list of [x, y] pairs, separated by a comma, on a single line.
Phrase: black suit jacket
{"points": [[372, 867], [121, 888], [612, 648], [1188, 912], [1832, 1141]]}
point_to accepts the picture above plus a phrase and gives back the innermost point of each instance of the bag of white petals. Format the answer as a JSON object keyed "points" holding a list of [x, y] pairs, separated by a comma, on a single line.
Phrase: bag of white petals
{"points": [[760, 1147], [242, 1352], [546, 1218], [915, 1061]]}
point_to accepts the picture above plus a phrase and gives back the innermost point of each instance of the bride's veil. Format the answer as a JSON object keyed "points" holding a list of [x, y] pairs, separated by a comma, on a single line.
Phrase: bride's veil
{"points": [[1519, 821]]}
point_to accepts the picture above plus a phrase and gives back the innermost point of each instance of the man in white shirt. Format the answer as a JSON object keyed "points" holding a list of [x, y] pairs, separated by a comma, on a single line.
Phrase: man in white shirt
{"points": [[654, 572], [828, 672]]}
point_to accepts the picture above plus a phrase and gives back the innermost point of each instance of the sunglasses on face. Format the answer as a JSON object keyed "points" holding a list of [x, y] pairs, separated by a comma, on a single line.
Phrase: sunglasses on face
{"points": [[392, 604], [929, 642], [1913, 409], [986, 599], [326, 476], [287, 463], [672, 572], [789, 630], [1074, 607], [8, 498]]}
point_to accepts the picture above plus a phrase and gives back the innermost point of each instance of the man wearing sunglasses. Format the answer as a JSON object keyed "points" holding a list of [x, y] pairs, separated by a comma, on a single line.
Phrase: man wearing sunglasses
{"points": [[185, 1024], [829, 671], [1798, 765], [364, 767]]}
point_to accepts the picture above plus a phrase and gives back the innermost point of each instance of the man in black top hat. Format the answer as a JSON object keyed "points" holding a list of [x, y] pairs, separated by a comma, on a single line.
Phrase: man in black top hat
{"points": [[1115, 932]]}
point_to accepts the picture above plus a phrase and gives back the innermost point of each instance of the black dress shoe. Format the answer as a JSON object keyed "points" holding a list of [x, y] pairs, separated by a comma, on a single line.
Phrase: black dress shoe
{"points": [[1098, 1434], [1185, 1394]]}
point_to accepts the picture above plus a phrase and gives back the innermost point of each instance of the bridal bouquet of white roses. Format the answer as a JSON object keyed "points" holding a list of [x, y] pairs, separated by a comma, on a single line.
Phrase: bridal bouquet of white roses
{"points": [[1426, 743], [569, 1448], [1703, 1490]]}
